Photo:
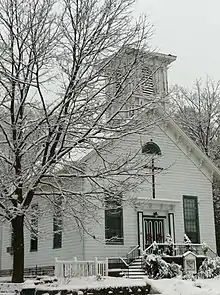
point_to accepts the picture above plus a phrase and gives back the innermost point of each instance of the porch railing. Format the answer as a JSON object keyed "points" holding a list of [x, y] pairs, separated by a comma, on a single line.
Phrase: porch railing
{"points": [[77, 268], [133, 253], [180, 249], [118, 260]]}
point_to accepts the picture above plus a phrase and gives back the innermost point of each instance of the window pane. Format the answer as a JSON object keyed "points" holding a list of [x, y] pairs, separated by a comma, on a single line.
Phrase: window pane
{"points": [[113, 221], [191, 218], [34, 244], [34, 228], [57, 224]]}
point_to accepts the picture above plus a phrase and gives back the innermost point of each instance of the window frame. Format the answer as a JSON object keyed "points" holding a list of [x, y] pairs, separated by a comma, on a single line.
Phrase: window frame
{"points": [[57, 225], [195, 198], [151, 148], [34, 233], [120, 215]]}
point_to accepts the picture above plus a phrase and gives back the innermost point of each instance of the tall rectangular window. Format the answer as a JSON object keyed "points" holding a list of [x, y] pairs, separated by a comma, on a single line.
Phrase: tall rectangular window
{"points": [[9, 249], [57, 224], [114, 221], [191, 218], [34, 228]]}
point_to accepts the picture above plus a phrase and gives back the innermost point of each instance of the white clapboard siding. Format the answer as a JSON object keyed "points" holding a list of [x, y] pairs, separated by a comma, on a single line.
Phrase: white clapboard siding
{"points": [[6, 261], [45, 256], [180, 177]]}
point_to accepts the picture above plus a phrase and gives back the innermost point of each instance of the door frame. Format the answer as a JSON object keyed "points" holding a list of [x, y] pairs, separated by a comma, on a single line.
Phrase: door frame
{"points": [[169, 226], [152, 218]]}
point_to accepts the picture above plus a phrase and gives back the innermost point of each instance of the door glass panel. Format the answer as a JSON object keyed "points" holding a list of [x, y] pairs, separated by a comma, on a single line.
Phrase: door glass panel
{"points": [[154, 231]]}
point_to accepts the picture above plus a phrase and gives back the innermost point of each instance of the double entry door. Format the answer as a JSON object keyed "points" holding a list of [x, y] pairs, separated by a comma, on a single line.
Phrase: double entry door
{"points": [[153, 231]]}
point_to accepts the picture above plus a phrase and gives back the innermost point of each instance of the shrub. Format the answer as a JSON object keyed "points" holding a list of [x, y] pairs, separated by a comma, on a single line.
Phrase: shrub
{"points": [[157, 268], [210, 268]]}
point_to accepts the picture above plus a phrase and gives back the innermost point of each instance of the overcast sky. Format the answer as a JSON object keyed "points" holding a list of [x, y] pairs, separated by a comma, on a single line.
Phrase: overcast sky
{"points": [[189, 29]]}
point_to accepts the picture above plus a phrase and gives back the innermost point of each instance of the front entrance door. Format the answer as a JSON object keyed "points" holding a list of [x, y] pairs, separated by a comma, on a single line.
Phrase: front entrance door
{"points": [[153, 231]]}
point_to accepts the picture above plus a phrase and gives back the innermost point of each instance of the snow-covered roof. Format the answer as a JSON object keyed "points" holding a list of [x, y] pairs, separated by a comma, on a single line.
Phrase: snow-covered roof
{"points": [[77, 154], [188, 253], [169, 58]]}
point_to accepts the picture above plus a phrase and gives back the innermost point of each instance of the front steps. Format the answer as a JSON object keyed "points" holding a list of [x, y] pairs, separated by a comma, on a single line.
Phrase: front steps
{"points": [[135, 270]]}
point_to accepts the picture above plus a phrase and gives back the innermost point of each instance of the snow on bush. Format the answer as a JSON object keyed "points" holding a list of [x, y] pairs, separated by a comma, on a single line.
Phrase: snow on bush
{"points": [[157, 268], [204, 248], [188, 276], [210, 268], [155, 248], [188, 244], [169, 250], [186, 240]]}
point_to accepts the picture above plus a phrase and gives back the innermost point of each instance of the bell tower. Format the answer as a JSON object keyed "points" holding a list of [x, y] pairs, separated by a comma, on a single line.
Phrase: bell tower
{"points": [[135, 80]]}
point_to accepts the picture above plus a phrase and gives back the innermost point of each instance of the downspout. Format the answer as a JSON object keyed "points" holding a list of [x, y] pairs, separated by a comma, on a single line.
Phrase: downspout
{"points": [[1, 246], [83, 230]]}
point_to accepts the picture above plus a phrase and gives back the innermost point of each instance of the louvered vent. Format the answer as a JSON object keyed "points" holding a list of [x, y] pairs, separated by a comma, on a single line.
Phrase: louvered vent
{"points": [[147, 85]]}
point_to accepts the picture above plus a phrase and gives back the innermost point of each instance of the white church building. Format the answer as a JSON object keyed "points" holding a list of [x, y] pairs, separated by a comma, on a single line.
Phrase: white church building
{"points": [[177, 200]]}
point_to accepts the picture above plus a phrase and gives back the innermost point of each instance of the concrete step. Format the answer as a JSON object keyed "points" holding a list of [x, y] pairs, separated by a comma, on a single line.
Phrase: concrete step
{"points": [[138, 259], [135, 266], [137, 262], [134, 277], [134, 272]]}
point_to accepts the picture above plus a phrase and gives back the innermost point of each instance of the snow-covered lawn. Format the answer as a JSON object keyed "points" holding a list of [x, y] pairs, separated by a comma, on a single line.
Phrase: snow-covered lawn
{"points": [[74, 284], [182, 287], [92, 283], [175, 286]]}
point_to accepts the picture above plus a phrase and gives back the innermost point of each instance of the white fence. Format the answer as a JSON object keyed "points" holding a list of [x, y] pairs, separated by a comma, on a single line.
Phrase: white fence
{"points": [[76, 268]]}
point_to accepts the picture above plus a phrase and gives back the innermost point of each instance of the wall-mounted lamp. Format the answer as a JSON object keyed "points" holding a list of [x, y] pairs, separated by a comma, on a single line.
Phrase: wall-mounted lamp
{"points": [[155, 214]]}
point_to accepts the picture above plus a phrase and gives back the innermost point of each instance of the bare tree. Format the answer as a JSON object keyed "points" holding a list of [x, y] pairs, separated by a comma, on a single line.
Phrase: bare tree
{"points": [[198, 113], [68, 78]]}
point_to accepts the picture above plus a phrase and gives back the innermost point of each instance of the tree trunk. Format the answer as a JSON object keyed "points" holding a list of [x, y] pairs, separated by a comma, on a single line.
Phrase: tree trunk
{"points": [[18, 249]]}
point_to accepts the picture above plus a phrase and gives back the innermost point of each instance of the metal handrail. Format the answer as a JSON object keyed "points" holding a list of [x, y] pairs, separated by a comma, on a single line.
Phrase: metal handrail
{"points": [[212, 251], [131, 255], [148, 248], [176, 245], [133, 249]]}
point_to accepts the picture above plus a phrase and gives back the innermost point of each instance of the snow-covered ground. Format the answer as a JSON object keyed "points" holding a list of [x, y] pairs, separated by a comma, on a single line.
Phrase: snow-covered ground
{"points": [[92, 283], [185, 287], [73, 284], [175, 286]]}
